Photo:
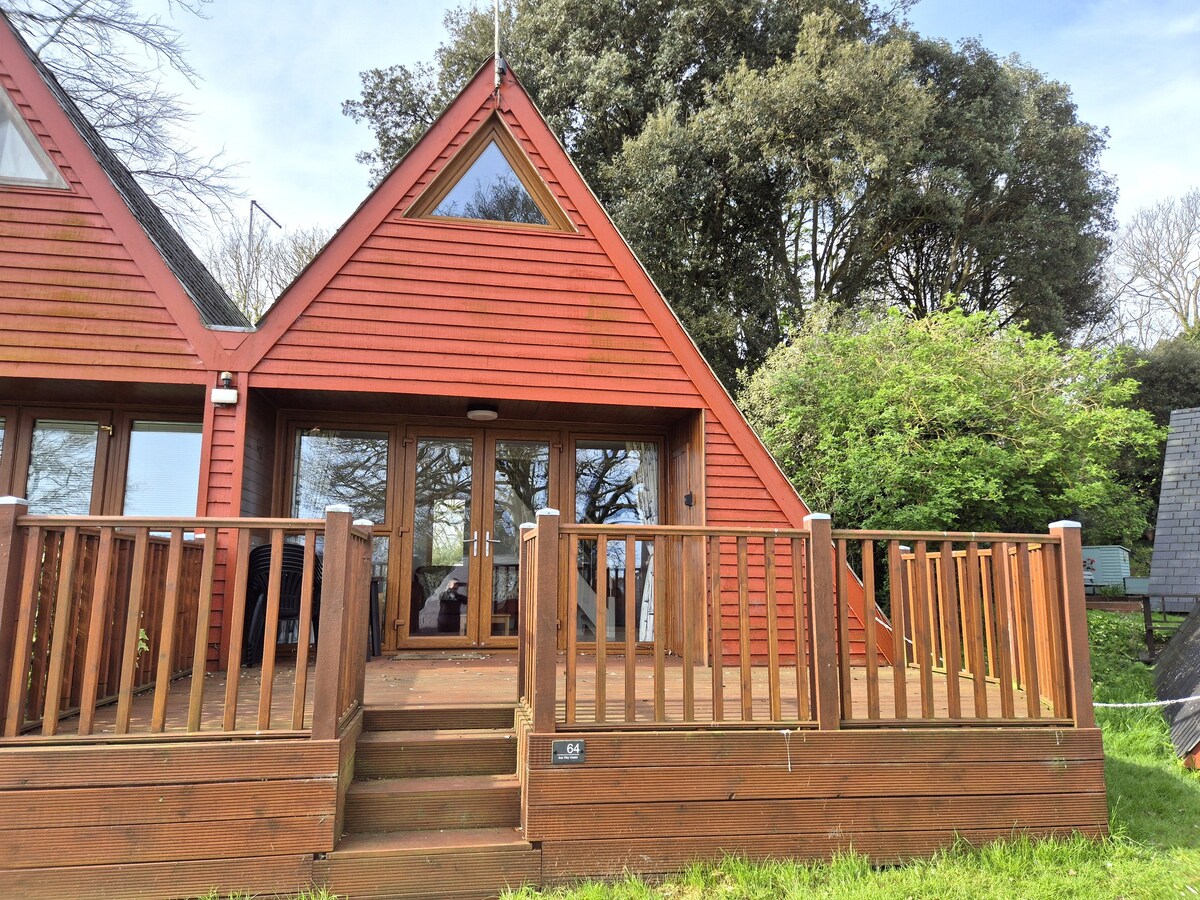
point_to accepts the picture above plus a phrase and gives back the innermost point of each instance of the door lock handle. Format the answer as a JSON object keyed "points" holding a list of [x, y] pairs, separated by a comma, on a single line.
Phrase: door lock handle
{"points": [[474, 542], [488, 540]]}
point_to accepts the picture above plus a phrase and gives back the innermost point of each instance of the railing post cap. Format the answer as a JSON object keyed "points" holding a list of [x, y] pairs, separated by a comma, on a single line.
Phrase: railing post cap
{"points": [[13, 501], [337, 508], [526, 525], [546, 512], [1065, 523], [824, 517], [362, 521]]}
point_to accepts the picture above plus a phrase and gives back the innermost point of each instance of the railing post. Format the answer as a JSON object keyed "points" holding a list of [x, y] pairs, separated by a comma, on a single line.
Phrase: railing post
{"points": [[335, 584], [11, 555], [363, 620], [824, 627], [523, 609], [545, 623], [1075, 614]]}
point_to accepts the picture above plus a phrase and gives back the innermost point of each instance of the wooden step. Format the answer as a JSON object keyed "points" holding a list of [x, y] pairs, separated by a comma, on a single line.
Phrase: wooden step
{"points": [[479, 862], [415, 754], [430, 716], [448, 802]]}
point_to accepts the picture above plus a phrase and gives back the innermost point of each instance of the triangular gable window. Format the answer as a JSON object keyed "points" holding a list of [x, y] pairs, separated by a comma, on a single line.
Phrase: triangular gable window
{"points": [[22, 159], [491, 190], [491, 180]]}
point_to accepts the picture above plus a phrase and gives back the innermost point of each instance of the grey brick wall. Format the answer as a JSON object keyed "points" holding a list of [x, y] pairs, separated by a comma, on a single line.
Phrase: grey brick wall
{"points": [[1175, 567]]}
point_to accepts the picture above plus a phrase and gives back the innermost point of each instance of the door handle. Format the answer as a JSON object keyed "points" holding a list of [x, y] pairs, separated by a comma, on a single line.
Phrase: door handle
{"points": [[474, 542], [488, 540]]}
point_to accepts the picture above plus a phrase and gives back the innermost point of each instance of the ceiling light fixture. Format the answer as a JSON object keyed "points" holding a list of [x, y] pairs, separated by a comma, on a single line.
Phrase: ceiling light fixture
{"points": [[482, 412]]}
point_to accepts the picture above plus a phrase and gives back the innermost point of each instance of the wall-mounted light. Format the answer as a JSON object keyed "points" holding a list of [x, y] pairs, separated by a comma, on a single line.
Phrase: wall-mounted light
{"points": [[482, 412], [226, 394]]}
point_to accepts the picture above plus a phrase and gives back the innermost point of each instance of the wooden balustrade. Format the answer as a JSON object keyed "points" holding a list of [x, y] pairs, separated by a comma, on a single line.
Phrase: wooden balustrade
{"points": [[110, 626], [657, 637], [728, 627], [979, 625]]}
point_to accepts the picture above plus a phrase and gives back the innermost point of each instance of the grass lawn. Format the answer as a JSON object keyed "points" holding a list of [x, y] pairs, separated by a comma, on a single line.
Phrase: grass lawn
{"points": [[1154, 813]]}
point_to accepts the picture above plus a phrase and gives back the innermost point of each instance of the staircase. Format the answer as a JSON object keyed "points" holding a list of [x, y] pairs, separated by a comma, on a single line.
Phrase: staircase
{"points": [[434, 809]]}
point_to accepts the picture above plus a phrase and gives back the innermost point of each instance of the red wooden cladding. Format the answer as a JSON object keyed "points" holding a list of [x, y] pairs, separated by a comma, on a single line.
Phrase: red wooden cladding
{"points": [[73, 275], [113, 607]]}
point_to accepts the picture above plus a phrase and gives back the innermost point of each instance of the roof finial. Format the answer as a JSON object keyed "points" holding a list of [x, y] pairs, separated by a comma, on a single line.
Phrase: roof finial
{"points": [[499, 65]]}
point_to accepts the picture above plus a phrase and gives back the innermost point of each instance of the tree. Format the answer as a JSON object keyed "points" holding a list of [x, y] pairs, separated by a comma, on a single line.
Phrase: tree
{"points": [[763, 156], [107, 56], [1006, 208], [1158, 267], [254, 268], [952, 422]]}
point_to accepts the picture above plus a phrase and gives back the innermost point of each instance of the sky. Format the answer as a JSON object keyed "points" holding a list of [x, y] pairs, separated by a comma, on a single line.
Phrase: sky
{"points": [[275, 75]]}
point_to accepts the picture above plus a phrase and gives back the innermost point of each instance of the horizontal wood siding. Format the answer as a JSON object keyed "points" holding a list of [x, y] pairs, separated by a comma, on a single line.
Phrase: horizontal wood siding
{"points": [[653, 802], [258, 471], [221, 468], [167, 820], [737, 497], [71, 293], [446, 308]]}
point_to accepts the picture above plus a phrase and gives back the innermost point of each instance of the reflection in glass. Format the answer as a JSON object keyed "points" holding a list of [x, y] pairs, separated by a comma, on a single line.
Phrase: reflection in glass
{"points": [[491, 190], [522, 488], [1, 438], [616, 483], [339, 466], [62, 462], [163, 475], [442, 538], [22, 158]]}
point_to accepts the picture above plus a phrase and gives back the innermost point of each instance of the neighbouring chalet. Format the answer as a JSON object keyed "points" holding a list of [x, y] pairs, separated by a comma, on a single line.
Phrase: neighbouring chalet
{"points": [[460, 569]]}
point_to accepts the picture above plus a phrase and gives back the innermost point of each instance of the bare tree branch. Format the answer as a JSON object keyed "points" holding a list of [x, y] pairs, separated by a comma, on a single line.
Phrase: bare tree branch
{"points": [[109, 58]]}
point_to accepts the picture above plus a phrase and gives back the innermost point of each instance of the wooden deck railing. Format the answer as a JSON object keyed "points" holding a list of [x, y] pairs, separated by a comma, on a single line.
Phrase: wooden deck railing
{"points": [[657, 592], [980, 624], [105, 626], [670, 627]]}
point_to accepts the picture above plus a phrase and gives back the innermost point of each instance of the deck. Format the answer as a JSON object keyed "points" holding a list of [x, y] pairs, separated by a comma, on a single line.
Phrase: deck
{"points": [[131, 763]]}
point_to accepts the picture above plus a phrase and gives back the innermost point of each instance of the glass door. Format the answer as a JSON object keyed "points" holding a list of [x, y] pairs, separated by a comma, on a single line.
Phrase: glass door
{"points": [[65, 462], [470, 491], [443, 541], [518, 486]]}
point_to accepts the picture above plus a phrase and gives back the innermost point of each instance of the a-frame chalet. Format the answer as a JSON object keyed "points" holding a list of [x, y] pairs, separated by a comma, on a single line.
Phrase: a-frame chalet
{"points": [[491, 582]]}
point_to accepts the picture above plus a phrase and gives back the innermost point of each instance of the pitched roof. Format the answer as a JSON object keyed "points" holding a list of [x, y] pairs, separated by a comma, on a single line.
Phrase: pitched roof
{"points": [[213, 304], [1177, 675]]}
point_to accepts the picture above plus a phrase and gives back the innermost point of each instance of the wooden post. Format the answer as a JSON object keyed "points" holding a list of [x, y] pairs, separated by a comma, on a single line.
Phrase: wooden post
{"points": [[523, 608], [824, 629], [363, 566], [544, 645], [331, 637], [12, 541], [1075, 615]]}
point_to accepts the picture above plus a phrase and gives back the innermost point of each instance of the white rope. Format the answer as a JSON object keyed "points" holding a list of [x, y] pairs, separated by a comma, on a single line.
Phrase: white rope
{"points": [[1148, 704]]}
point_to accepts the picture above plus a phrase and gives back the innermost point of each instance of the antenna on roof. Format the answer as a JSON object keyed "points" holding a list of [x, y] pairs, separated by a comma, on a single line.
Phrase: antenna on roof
{"points": [[499, 63], [253, 206], [251, 259]]}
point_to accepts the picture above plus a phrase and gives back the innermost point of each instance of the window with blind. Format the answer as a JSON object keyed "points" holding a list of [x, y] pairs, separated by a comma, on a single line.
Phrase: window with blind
{"points": [[163, 475]]}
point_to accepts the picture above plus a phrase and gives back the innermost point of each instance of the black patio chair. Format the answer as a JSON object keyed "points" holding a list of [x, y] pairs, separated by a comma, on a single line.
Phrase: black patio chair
{"points": [[290, 583]]}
